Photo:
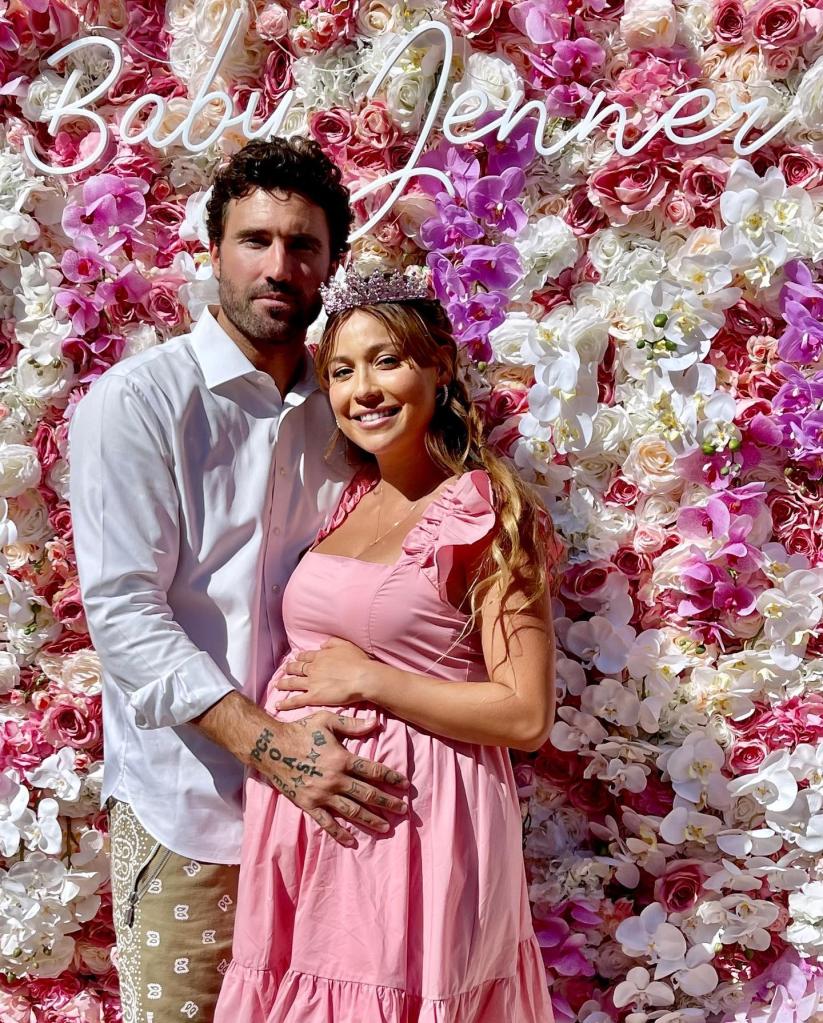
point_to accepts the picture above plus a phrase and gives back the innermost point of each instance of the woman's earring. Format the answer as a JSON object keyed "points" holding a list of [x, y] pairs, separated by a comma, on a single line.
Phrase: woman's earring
{"points": [[442, 395]]}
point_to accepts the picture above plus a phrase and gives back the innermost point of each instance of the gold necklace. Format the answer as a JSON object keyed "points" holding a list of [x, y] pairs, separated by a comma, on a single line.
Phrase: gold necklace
{"points": [[394, 525]]}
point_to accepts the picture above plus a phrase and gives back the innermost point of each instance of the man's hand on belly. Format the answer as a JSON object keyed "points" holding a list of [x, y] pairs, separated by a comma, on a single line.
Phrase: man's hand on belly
{"points": [[305, 761]]}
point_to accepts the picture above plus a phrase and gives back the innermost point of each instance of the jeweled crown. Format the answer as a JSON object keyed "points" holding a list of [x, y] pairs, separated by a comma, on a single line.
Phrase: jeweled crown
{"points": [[381, 286]]}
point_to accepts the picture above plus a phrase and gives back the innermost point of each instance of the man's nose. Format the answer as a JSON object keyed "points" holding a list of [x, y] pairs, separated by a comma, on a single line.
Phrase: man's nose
{"points": [[277, 261]]}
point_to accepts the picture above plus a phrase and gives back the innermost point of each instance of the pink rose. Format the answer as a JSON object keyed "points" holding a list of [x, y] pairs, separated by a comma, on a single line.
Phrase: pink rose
{"points": [[333, 129], [781, 61], [629, 185], [277, 76], [60, 521], [678, 889], [801, 167], [730, 21], [703, 181], [582, 582], [52, 23], [632, 563], [778, 24], [22, 745], [46, 443], [524, 779], [74, 721], [163, 303], [503, 437], [375, 126], [272, 22], [474, 16], [679, 211], [505, 400]]}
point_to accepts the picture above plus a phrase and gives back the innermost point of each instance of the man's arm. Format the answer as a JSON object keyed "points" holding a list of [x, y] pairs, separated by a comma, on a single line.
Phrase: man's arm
{"points": [[304, 761], [125, 511]]}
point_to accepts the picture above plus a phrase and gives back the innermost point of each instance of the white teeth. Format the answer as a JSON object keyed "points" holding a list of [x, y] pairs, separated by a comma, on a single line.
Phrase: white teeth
{"points": [[372, 417]]}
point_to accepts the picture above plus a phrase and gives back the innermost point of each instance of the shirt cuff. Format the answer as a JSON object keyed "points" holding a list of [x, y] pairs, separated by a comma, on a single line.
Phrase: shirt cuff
{"points": [[180, 695]]}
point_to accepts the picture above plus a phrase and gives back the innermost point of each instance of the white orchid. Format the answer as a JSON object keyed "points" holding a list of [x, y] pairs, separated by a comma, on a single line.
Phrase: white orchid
{"points": [[600, 643], [639, 989], [683, 825], [58, 774], [576, 730], [806, 910], [612, 702], [652, 937], [695, 770]]}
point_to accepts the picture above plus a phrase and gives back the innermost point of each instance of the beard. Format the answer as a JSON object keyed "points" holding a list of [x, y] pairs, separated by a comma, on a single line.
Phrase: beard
{"points": [[261, 325]]}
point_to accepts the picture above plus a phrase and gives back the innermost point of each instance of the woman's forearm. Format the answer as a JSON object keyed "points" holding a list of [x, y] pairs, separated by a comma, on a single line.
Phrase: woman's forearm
{"points": [[487, 713]]}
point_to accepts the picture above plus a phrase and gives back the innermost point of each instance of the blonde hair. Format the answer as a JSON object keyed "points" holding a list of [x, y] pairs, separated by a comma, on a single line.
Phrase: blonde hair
{"points": [[517, 558]]}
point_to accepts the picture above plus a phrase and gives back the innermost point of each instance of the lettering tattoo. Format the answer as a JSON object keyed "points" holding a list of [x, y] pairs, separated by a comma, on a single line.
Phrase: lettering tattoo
{"points": [[261, 745], [318, 739]]}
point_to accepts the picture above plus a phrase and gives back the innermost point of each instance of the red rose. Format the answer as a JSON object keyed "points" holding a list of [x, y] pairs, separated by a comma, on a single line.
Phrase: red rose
{"points": [[678, 889], [592, 798], [582, 216], [46, 445], [582, 582], [277, 76], [703, 181], [60, 521], [622, 491], [747, 756], [632, 563], [746, 318], [506, 400], [730, 21], [778, 24], [68, 607], [656, 800], [333, 129]]}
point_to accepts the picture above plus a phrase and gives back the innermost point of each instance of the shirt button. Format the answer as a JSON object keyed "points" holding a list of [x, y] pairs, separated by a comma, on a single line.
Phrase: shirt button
{"points": [[282, 470], [275, 588], [276, 531]]}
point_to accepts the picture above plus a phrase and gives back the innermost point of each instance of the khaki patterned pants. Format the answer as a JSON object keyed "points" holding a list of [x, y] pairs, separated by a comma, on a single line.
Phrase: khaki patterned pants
{"points": [[174, 919]]}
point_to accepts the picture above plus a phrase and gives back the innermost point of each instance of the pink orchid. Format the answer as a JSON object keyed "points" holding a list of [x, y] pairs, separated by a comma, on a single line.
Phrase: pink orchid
{"points": [[111, 209], [81, 307]]}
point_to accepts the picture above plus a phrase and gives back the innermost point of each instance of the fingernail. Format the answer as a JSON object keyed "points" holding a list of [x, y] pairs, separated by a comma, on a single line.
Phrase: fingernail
{"points": [[384, 826]]}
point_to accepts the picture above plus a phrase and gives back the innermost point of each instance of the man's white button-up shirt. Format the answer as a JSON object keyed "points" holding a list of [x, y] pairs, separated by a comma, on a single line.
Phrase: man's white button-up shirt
{"points": [[194, 489]]}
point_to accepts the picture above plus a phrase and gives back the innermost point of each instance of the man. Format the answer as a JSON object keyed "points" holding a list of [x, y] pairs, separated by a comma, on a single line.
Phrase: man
{"points": [[198, 477]]}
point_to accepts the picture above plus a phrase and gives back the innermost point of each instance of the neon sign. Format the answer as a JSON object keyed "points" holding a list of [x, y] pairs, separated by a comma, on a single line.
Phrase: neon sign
{"points": [[463, 110]]}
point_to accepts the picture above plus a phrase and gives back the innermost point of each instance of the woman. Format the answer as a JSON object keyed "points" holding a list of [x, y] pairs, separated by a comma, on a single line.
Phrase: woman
{"points": [[424, 597]]}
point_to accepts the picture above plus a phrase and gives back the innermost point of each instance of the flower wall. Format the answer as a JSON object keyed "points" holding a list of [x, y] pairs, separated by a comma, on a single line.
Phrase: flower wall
{"points": [[645, 336]]}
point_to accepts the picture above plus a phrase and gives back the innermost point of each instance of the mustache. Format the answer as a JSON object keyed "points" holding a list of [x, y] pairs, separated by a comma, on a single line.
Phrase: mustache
{"points": [[277, 291]]}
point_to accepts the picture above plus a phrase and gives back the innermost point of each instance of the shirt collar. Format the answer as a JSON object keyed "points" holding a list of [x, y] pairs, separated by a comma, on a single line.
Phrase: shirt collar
{"points": [[221, 360]]}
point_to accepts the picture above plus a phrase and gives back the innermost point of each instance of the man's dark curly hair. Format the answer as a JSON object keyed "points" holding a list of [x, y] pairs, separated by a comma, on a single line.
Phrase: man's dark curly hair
{"points": [[293, 165]]}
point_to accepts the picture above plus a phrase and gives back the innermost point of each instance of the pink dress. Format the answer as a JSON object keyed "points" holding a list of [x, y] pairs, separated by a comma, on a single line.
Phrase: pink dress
{"points": [[429, 923]]}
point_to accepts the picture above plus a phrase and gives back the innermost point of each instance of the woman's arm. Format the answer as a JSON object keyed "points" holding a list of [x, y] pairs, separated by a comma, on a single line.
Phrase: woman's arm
{"points": [[515, 707]]}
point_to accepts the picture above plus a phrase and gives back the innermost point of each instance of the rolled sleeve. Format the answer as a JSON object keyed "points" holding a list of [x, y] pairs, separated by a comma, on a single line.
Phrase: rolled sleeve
{"points": [[125, 513]]}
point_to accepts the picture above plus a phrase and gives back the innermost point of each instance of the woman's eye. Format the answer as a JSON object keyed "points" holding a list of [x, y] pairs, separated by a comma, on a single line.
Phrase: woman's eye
{"points": [[387, 360], [339, 373]]}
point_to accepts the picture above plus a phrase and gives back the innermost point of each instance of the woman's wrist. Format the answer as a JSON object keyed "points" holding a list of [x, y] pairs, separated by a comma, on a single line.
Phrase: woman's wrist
{"points": [[373, 682]]}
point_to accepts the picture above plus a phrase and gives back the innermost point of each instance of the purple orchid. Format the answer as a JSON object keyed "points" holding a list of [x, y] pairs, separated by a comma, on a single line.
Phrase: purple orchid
{"points": [[516, 150], [458, 163], [576, 58], [542, 21], [448, 285], [562, 950], [81, 307], [85, 263], [110, 210], [801, 302], [495, 267], [493, 199], [128, 288], [451, 228], [474, 319]]}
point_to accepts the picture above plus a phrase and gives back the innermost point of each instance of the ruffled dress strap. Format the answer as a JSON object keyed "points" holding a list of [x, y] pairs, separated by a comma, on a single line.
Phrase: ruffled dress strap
{"points": [[364, 480], [462, 516]]}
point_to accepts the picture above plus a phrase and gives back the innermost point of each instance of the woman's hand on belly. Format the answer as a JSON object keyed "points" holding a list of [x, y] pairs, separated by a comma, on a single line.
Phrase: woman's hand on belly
{"points": [[337, 675]]}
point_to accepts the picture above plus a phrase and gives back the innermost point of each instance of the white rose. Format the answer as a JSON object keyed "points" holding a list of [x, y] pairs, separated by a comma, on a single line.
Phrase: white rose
{"points": [[296, 122], [612, 429], [547, 247], [651, 464], [179, 14], [9, 672], [606, 249], [48, 381], [44, 91], [592, 470], [507, 339], [58, 478], [495, 77], [808, 101], [648, 24], [30, 516], [375, 17], [19, 469], [211, 18], [16, 228], [407, 98], [78, 672]]}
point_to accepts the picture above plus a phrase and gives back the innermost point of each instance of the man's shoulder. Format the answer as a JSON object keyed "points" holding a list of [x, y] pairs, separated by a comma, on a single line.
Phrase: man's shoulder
{"points": [[160, 371]]}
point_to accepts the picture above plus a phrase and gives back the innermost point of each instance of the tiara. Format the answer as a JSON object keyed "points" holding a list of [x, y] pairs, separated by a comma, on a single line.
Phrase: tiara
{"points": [[381, 286]]}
